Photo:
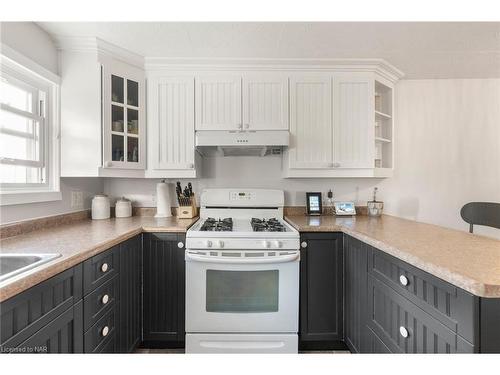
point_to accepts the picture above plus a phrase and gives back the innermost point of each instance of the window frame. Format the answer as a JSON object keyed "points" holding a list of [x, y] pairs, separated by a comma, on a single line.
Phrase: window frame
{"points": [[23, 71]]}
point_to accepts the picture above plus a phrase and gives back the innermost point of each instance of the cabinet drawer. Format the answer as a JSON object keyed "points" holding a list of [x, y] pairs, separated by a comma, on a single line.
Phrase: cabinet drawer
{"points": [[374, 344], [100, 301], [108, 346], [100, 268], [452, 306], [100, 331], [404, 327], [29, 311]]}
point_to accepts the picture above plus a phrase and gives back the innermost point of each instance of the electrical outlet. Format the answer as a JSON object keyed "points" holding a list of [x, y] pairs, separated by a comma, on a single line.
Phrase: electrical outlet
{"points": [[76, 199]]}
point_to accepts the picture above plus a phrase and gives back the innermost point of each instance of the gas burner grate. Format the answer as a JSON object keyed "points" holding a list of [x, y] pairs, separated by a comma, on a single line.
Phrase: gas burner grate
{"points": [[270, 225], [221, 225]]}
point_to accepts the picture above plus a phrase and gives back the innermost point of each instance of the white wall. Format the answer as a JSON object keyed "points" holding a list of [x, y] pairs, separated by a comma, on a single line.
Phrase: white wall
{"points": [[447, 150], [30, 40], [447, 154]]}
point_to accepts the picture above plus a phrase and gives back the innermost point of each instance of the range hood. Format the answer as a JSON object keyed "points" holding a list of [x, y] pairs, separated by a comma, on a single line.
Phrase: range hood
{"points": [[241, 143]]}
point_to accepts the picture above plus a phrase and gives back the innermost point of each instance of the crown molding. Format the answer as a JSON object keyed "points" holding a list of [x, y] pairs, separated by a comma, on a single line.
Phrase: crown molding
{"points": [[100, 47], [379, 66]]}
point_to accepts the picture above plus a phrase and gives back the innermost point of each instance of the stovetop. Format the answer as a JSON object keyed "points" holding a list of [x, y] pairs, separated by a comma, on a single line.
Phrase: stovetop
{"points": [[269, 225], [257, 225], [220, 225]]}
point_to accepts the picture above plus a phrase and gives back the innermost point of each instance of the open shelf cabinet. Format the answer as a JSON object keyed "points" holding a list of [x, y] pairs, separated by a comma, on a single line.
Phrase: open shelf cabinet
{"points": [[383, 125]]}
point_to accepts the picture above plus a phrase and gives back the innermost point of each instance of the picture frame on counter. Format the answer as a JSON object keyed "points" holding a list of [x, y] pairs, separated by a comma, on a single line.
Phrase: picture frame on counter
{"points": [[314, 203]]}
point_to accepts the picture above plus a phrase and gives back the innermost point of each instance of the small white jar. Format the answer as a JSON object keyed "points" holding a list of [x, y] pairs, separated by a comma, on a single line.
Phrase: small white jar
{"points": [[123, 207], [100, 207]]}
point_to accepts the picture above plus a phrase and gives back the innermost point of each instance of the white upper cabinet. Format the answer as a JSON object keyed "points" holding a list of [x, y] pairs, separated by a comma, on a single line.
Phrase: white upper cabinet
{"points": [[218, 102], [310, 122], [353, 120], [265, 102], [171, 125], [123, 117]]}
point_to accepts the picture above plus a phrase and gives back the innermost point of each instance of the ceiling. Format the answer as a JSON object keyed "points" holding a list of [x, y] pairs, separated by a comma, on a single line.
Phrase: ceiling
{"points": [[419, 49]]}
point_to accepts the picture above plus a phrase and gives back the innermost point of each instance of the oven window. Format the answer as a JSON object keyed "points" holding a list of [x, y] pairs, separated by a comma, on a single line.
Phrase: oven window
{"points": [[242, 291]]}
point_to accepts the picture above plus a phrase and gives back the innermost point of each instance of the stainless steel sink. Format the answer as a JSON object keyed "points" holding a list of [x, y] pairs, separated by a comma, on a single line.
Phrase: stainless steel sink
{"points": [[15, 264]]}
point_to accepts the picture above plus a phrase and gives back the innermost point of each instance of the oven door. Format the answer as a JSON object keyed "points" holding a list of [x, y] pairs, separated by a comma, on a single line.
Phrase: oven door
{"points": [[242, 291]]}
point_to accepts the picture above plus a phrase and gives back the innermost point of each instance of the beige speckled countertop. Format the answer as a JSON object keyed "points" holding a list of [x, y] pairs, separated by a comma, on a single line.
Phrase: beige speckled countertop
{"points": [[468, 261], [77, 242]]}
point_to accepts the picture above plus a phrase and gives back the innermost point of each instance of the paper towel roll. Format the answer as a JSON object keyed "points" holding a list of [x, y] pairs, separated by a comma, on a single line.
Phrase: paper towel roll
{"points": [[163, 208]]}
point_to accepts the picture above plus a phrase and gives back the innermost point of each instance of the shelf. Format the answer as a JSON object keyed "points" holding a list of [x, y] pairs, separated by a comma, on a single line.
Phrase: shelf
{"points": [[380, 139], [383, 115]]}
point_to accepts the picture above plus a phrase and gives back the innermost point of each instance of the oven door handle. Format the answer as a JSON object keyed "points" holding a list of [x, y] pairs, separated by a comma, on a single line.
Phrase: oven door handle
{"points": [[226, 260]]}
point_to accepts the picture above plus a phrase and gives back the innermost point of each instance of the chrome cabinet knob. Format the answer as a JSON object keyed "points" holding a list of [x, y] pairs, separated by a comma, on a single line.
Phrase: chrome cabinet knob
{"points": [[104, 267], [303, 244], [180, 245], [403, 332], [105, 299], [403, 280], [105, 331]]}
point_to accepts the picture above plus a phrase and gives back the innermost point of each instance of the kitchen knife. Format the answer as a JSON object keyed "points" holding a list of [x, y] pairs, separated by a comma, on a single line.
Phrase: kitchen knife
{"points": [[190, 187]]}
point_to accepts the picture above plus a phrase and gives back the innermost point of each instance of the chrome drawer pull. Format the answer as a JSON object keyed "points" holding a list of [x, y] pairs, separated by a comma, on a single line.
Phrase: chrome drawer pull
{"points": [[403, 280], [303, 244], [105, 331], [104, 267], [403, 331], [180, 245], [105, 299]]}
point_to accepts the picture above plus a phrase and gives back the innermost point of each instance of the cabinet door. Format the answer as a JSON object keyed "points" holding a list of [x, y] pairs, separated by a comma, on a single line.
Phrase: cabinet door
{"points": [[354, 125], [355, 293], [265, 102], [130, 322], [171, 122], [310, 122], [164, 288], [124, 119], [64, 334], [321, 290], [26, 313], [218, 102]]}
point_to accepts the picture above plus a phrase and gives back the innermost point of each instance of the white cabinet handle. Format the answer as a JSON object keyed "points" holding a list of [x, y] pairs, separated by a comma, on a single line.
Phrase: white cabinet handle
{"points": [[180, 245], [105, 331], [303, 244], [105, 299], [403, 332], [104, 267], [403, 280]]}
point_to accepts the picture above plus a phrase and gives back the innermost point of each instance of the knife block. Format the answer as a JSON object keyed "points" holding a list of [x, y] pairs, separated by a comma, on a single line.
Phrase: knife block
{"points": [[187, 212]]}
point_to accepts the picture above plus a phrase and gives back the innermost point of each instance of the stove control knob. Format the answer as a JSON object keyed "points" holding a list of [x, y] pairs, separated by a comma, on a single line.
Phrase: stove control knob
{"points": [[266, 244], [220, 244], [278, 244], [208, 243]]}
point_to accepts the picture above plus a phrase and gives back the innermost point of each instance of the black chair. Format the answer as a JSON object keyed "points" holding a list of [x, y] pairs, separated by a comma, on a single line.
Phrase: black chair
{"points": [[481, 213]]}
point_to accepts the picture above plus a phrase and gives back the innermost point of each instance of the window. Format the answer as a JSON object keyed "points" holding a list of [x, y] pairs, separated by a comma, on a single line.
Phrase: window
{"points": [[29, 149]]}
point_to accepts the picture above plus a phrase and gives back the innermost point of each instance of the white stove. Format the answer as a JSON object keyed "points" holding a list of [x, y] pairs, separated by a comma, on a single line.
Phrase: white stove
{"points": [[242, 275]]}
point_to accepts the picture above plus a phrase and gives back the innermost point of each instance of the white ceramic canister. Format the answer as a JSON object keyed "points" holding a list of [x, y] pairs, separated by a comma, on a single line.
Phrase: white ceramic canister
{"points": [[100, 207], [123, 207]]}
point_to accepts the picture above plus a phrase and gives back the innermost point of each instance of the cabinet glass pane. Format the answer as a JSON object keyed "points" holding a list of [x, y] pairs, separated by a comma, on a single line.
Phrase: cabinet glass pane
{"points": [[132, 121], [132, 149], [242, 291], [117, 118], [117, 89], [117, 149], [132, 93]]}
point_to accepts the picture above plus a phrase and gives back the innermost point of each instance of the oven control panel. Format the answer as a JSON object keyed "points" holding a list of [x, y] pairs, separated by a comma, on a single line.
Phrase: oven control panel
{"points": [[242, 243], [242, 195]]}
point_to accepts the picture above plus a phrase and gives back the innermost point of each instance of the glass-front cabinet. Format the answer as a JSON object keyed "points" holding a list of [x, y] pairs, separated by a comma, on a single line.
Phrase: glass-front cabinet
{"points": [[123, 117]]}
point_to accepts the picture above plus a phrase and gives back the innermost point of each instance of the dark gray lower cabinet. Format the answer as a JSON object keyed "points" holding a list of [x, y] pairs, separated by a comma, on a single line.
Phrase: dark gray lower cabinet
{"points": [[355, 296], [321, 291], [48, 315], [130, 306], [164, 289]]}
